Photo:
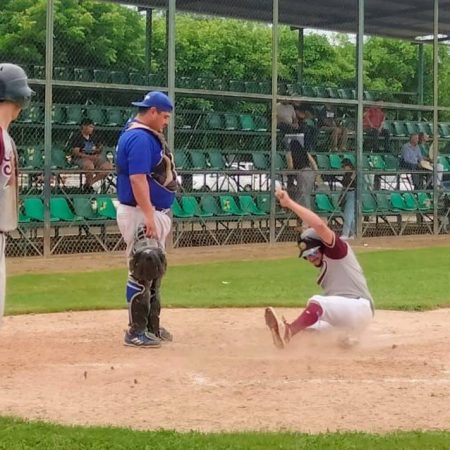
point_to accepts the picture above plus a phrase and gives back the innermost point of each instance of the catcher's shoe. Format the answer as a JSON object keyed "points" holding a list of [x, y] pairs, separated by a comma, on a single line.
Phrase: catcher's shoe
{"points": [[277, 328], [165, 335], [143, 340]]}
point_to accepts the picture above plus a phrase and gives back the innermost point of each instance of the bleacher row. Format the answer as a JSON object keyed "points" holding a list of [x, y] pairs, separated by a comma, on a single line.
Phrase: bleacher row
{"points": [[207, 82], [76, 209], [330, 204]]}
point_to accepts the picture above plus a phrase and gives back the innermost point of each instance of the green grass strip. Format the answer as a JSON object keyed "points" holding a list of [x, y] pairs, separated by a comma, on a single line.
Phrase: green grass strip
{"points": [[16, 434], [402, 279]]}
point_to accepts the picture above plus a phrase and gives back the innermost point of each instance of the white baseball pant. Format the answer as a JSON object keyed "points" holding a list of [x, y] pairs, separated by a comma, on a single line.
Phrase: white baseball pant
{"points": [[2, 274]]}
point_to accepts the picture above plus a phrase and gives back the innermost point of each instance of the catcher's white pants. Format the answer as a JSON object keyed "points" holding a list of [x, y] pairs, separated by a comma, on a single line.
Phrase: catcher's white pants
{"points": [[2, 274], [342, 312], [129, 218]]}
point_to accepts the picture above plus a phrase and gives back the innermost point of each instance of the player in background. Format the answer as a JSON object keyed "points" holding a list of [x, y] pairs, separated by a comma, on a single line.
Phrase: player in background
{"points": [[15, 95], [346, 304]]}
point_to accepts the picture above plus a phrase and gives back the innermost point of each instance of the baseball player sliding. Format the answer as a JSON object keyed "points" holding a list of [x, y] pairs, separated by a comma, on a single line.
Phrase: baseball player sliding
{"points": [[146, 186], [15, 95], [346, 303]]}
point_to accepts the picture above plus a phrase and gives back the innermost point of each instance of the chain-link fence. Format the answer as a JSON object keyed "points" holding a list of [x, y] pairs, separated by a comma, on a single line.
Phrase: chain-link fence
{"points": [[350, 165]]}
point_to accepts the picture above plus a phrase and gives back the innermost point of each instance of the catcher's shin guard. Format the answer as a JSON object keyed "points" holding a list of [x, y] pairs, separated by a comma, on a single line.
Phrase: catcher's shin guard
{"points": [[155, 307], [138, 299]]}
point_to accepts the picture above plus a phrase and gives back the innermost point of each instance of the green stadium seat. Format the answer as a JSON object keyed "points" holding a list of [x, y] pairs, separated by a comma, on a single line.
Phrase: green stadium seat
{"points": [[260, 161], [410, 201], [323, 162], [444, 129], [33, 158], [23, 218], [261, 124], [335, 161], [209, 204], [182, 160], [58, 159], [24, 116], [34, 209], [321, 91], [377, 162], [60, 209], [216, 160], [399, 128], [367, 95], [156, 79], [422, 127], [81, 74], [106, 208], [265, 87], [198, 159], [246, 122], [138, 79], [191, 206], [83, 207], [424, 202], [248, 205], [280, 161], [388, 125], [251, 86], [58, 114], [119, 77], [231, 121], [323, 203], [332, 92], [213, 121], [337, 201], [411, 127], [39, 72], [263, 202], [383, 205], [391, 163], [236, 86], [114, 117], [445, 161], [308, 91], [63, 73], [74, 114], [178, 211], [369, 204], [96, 114], [397, 202], [351, 157], [36, 113], [228, 204], [101, 76]]}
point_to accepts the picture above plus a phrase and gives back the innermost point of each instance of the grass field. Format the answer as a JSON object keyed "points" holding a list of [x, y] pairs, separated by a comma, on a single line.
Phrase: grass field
{"points": [[17, 434], [403, 279]]}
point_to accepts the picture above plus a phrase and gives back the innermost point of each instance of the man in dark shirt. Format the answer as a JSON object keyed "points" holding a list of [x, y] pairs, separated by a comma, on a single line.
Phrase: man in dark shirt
{"points": [[87, 155]]}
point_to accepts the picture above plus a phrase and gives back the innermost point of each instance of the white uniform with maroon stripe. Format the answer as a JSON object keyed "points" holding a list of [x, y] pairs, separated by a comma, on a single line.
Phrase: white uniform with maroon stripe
{"points": [[8, 203], [347, 302]]}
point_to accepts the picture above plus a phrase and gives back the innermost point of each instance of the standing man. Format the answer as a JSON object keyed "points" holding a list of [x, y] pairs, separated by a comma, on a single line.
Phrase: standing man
{"points": [[15, 95], [146, 186], [347, 303], [373, 124]]}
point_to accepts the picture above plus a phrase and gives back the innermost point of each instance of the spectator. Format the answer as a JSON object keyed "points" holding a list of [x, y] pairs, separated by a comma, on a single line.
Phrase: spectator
{"points": [[427, 151], [328, 122], [349, 186], [411, 158], [305, 177], [286, 118], [373, 124], [310, 132], [87, 155]]}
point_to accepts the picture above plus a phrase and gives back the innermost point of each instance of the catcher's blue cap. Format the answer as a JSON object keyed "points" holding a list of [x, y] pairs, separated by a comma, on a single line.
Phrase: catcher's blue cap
{"points": [[155, 99]]}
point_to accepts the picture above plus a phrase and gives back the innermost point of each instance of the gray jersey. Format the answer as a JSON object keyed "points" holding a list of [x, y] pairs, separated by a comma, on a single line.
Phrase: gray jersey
{"points": [[341, 273], [8, 183]]}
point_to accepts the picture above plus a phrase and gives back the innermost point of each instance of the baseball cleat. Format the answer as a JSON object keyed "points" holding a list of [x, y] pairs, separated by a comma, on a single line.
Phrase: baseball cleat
{"points": [[142, 340], [165, 335], [276, 327]]}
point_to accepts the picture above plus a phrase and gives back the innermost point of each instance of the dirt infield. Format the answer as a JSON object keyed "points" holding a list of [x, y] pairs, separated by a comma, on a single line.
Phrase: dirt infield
{"points": [[222, 373]]}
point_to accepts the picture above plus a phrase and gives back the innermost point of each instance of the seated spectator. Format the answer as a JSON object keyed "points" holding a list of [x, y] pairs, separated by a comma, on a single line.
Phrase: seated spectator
{"points": [[349, 199], [427, 151], [373, 124], [411, 158], [305, 113], [87, 155], [286, 118], [328, 121]]}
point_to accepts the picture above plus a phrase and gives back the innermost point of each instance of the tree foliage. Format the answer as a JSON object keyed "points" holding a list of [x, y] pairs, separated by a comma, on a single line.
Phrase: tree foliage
{"points": [[99, 34]]}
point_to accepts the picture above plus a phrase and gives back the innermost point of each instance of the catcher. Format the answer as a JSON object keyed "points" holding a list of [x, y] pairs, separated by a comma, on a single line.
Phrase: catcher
{"points": [[347, 303]]}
